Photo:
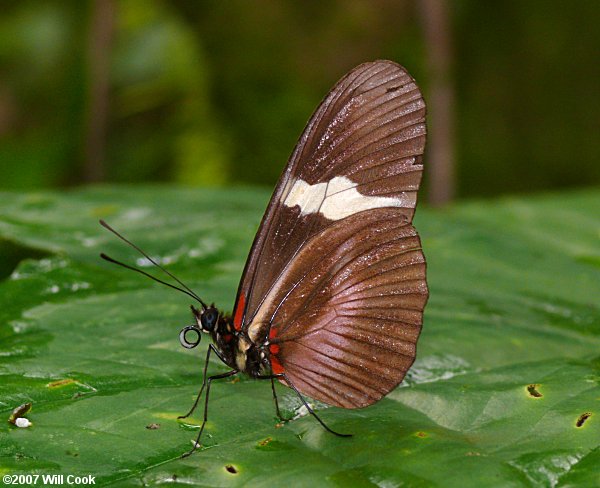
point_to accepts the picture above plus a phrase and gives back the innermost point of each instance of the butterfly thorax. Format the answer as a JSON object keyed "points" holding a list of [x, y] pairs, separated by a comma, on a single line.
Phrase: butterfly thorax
{"points": [[236, 348]]}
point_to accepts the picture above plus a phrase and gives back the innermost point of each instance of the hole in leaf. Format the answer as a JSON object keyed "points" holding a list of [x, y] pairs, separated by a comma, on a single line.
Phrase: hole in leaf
{"points": [[231, 469], [582, 419], [533, 391]]}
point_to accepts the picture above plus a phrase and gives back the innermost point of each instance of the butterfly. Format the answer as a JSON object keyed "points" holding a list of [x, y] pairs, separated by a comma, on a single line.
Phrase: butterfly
{"points": [[331, 299]]}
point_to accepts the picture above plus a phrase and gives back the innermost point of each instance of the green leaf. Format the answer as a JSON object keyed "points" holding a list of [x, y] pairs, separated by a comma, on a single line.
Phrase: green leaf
{"points": [[505, 390]]}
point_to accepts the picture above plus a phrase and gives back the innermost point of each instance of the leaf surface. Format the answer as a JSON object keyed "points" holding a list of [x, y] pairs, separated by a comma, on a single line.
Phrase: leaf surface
{"points": [[507, 367]]}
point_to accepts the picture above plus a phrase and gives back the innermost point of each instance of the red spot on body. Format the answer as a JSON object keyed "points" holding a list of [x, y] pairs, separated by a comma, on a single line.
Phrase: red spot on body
{"points": [[239, 312], [228, 337], [276, 366]]}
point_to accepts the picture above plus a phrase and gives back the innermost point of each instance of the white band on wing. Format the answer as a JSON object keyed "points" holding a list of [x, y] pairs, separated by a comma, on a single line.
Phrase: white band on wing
{"points": [[339, 198]]}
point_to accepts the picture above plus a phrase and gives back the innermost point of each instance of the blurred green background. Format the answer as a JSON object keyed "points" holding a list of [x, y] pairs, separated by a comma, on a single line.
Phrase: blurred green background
{"points": [[217, 92]]}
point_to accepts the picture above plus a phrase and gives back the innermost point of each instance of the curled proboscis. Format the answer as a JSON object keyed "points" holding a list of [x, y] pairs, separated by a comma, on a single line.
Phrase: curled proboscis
{"points": [[183, 336]]}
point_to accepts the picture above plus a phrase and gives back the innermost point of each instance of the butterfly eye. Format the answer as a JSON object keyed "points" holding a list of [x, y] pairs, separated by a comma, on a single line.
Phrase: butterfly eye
{"points": [[183, 336], [208, 319]]}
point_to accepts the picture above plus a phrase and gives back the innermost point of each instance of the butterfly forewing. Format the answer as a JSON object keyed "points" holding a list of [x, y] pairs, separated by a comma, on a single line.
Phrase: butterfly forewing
{"points": [[336, 275], [369, 131]]}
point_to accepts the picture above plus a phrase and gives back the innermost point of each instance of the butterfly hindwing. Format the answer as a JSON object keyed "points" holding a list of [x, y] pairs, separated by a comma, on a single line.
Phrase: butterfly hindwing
{"points": [[344, 327]]}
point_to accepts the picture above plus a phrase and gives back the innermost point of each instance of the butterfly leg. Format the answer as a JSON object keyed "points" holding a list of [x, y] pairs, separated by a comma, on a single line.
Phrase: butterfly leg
{"points": [[208, 382], [302, 399], [211, 348], [276, 402]]}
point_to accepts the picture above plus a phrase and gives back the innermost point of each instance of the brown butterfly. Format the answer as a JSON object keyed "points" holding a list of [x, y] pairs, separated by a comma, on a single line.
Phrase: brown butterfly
{"points": [[332, 296]]}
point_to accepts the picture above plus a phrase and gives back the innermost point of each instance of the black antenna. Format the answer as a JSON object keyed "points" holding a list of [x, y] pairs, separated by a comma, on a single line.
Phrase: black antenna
{"points": [[187, 289], [132, 268]]}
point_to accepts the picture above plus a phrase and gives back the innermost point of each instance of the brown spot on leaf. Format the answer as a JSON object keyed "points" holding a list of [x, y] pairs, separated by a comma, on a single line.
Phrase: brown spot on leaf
{"points": [[19, 412], [230, 468], [58, 383]]}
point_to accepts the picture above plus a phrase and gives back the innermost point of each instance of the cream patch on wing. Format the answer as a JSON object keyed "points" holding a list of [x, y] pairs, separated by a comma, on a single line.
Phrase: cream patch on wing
{"points": [[339, 198]]}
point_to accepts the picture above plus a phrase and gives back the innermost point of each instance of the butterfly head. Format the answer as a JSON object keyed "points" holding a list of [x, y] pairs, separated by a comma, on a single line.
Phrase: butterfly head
{"points": [[206, 318], [206, 321]]}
